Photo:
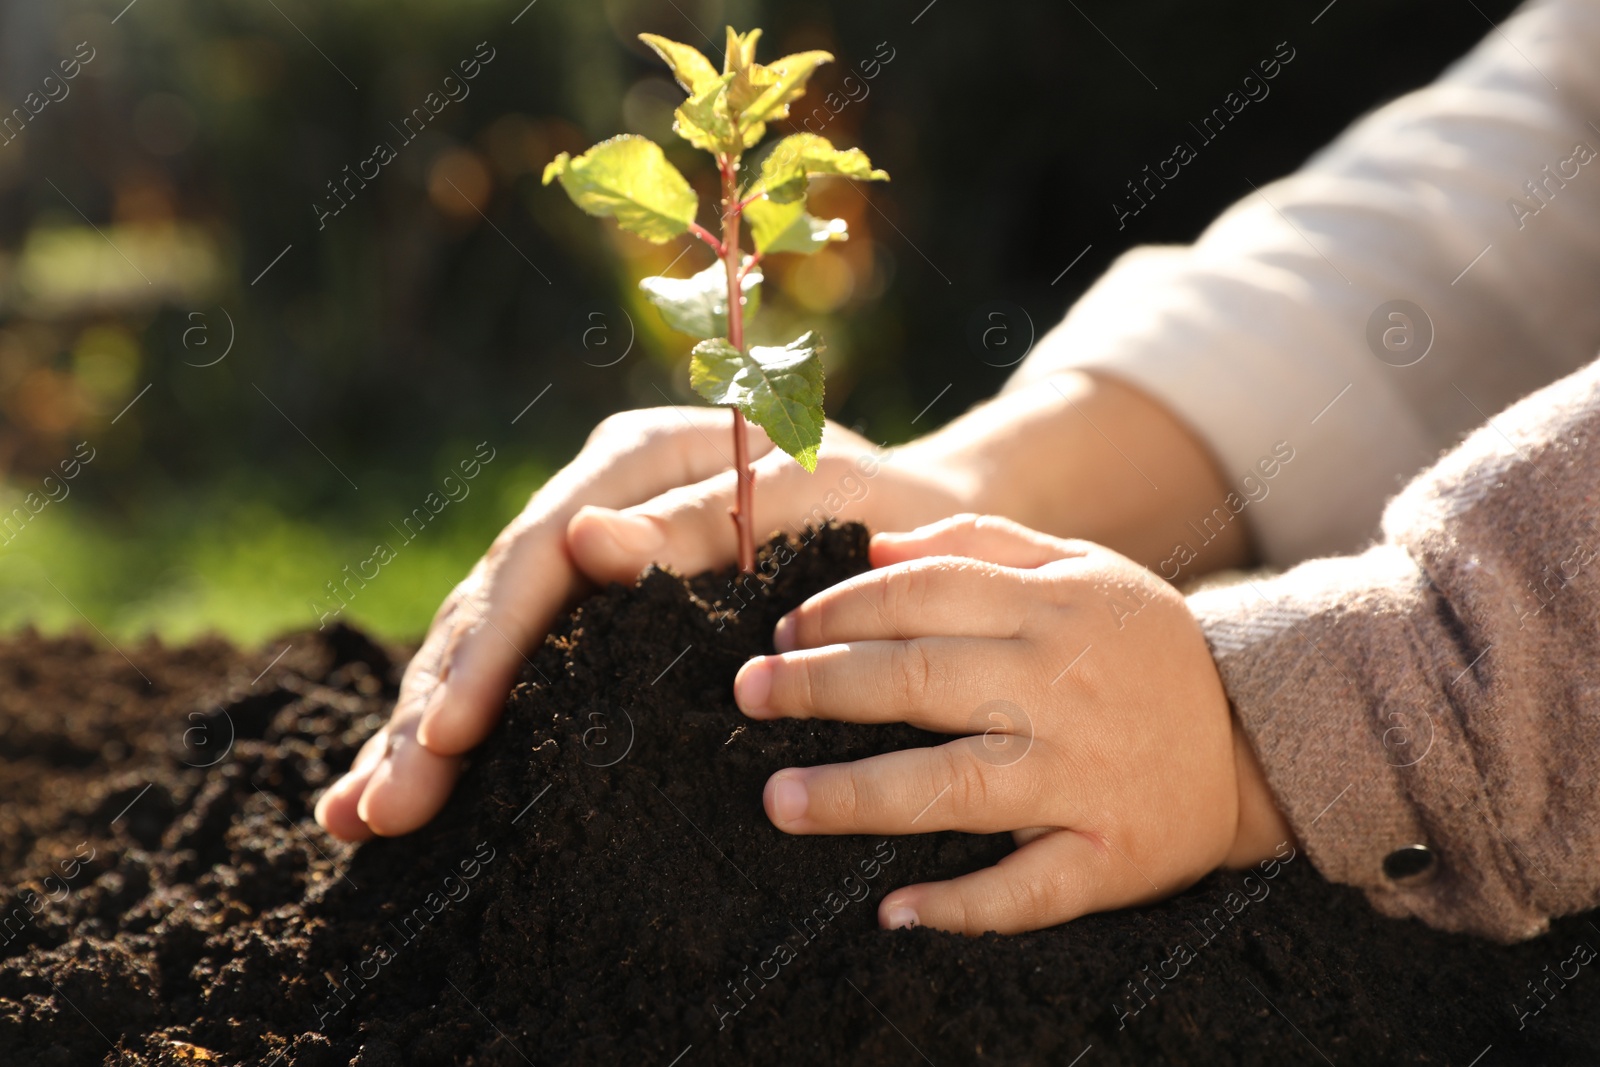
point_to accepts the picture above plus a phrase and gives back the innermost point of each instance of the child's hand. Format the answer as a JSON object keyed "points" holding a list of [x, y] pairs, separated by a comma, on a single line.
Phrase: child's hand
{"points": [[1103, 738]]}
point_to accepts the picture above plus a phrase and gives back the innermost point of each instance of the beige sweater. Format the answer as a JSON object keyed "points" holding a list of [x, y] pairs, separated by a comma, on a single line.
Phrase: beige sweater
{"points": [[1442, 688]]}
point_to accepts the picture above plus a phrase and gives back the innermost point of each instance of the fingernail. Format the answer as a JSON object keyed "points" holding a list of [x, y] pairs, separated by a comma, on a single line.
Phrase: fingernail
{"points": [[900, 917], [788, 799], [783, 638], [431, 715], [634, 534], [753, 686]]}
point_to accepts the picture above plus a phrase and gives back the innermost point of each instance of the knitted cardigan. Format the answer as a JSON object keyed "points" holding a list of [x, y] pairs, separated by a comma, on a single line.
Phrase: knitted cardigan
{"points": [[1442, 688]]}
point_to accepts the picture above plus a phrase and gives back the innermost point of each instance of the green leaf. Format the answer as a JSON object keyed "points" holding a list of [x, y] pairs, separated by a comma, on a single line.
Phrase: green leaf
{"points": [[741, 50], [750, 133], [790, 228], [703, 119], [796, 158], [745, 98], [778, 389], [693, 70], [748, 83], [628, 177], [782, 83], [698, 305]]}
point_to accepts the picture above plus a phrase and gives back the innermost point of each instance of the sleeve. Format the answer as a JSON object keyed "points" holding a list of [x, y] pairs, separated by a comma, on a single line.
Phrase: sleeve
{"points": [[1471, 208], [1428, 712]]}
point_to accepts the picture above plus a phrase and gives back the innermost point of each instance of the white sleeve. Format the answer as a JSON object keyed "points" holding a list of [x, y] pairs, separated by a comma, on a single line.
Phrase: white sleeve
{"points": [[1476, 199]]}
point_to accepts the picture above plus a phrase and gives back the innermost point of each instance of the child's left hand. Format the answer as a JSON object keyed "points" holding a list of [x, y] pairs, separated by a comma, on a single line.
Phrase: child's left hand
{"points": [[1103, 739]]}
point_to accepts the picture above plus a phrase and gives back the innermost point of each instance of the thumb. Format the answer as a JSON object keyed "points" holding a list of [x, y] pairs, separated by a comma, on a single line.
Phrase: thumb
{"points": [[1052, 879], [983, 537], [688, 528]]}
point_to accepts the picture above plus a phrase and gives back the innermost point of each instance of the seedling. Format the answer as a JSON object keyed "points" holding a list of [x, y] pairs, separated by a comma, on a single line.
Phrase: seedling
{"points": [[779, 388]]}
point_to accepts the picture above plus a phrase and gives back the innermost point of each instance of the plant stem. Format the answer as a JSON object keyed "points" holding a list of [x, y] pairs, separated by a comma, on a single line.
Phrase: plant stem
{"points": [[744, 507], [705, 235], [743, 512]]}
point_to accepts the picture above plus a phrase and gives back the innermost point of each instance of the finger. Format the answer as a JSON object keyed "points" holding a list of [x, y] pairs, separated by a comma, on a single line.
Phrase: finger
{"points": [[336, 810], [367, 800], [410, 784], [985, 537], [955, 786], [930, 682], [397, 784], [510, 601], [1052, 879], [941, 596], [688, 525], [481, 642]]}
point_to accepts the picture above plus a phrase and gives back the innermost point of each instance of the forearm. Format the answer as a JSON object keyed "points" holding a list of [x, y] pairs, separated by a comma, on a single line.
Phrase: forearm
{"points": [[1084, 455], [1282, 322]]}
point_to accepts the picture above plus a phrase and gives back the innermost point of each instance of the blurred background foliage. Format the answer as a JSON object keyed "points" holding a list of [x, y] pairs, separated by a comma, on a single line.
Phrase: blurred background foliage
{"points": [[166, 210]]}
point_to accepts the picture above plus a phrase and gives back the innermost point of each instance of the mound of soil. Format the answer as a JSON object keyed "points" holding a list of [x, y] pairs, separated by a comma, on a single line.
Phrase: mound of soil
{"points": [[605, 888]]}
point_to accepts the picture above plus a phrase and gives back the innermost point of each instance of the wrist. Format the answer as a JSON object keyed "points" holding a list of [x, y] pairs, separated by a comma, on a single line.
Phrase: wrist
{"points": [[1262, 826], [991, 457], [1083, 455]]}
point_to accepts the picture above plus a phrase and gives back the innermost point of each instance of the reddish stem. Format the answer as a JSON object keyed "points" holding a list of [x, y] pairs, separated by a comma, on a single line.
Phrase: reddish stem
{"points": [[707, 236], [744, 503], [743, 511]]}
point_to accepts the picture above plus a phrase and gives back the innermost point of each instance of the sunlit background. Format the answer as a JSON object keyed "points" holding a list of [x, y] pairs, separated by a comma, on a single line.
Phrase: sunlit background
{"points": [[251, 392]]}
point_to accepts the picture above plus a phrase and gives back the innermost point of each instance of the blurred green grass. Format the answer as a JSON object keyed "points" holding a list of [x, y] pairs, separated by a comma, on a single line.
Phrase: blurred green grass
{"points": [[190, 565]]}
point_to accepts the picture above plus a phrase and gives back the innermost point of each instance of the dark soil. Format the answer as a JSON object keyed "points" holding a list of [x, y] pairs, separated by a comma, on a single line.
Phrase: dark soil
{"points": [[566, 911]]}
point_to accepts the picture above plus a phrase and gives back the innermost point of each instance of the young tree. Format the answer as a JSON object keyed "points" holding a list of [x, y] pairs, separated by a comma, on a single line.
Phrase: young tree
{"points": [[628, 178]]}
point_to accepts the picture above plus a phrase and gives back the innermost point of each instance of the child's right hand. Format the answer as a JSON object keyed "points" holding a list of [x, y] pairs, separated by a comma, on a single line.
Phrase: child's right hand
{"points": [[1088, 719]]}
